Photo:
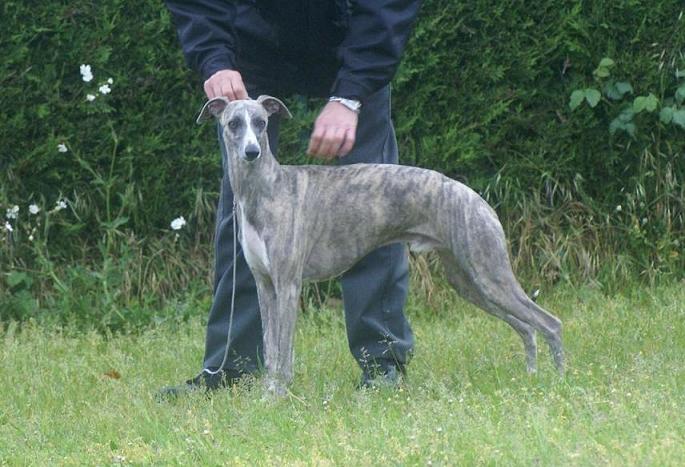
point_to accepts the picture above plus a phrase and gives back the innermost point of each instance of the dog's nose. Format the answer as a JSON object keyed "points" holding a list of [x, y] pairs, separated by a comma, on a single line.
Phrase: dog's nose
{"points": [[252, 152]]}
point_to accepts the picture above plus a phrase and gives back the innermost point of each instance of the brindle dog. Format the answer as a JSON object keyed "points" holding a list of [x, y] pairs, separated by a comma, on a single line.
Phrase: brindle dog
{"points": [[314, 222]]}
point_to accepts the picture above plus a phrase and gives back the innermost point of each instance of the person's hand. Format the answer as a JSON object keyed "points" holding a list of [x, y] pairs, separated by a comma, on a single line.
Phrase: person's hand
{"points": [[226, 83], [334, 132]]}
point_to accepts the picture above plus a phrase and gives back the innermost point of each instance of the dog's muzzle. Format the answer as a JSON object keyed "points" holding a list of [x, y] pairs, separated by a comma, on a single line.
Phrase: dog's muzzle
{"points": [[252, 152]]}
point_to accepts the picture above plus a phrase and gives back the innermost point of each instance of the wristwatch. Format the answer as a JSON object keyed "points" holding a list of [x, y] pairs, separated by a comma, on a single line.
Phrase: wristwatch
{"points": [[352, 104]]}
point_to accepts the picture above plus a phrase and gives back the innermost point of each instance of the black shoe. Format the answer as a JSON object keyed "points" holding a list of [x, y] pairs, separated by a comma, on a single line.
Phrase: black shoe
{"points": [[206, 382], [383, 375]]}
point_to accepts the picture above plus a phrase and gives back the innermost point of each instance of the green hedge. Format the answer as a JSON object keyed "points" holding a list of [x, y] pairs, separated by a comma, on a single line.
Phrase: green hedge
{"points": [[482, 95]]}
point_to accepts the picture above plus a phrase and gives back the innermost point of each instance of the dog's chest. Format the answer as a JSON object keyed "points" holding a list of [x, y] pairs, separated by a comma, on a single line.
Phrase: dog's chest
{"points": [[254, 247]]}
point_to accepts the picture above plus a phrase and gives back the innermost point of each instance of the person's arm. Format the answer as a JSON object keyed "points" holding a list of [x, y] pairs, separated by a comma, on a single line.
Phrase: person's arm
{"points": [[371, 51], [204, 30], [373, 46]]}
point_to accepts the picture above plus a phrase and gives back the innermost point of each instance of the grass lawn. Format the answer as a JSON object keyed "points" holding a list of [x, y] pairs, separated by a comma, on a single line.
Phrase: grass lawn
{"points": [[70, 398]]}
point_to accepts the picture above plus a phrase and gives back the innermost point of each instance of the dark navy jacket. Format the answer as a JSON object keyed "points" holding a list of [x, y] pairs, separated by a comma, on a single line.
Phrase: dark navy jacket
{"points": [[347, 48]]}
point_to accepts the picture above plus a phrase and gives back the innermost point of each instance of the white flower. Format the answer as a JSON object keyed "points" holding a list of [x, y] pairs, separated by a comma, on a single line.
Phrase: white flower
{"points": [[31, 237], [619, 208], [105, 89], [34, 209], [8, 227], [90, 97], [61, 147], [110, 80], [60, 204], [12, 212], [86, 73], [178, 223]]}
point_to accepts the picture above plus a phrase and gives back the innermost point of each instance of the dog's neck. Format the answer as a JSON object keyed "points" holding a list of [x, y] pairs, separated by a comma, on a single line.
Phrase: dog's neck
{"points": [[253, 180]]}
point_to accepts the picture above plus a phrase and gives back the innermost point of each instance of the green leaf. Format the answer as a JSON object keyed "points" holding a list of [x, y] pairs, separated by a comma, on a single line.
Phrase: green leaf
{"points": [[626, 115], [639, 104], [606, 62], [603, 69], [616, 90], [680, 73], [592, 96], [679, 118], [601, 72], [666, 115], [648, 103], [624, 87], [624, 122], [680, 94], [611, 92], [619, 124], [577, 97], [652, 103]]}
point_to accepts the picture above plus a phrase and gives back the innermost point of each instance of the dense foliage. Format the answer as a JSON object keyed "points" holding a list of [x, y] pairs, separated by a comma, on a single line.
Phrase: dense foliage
{"points": [[483, 95]]}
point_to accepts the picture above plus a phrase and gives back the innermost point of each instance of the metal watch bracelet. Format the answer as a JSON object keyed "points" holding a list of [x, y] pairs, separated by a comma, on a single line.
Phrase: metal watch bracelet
{"points": [[352, 104]]}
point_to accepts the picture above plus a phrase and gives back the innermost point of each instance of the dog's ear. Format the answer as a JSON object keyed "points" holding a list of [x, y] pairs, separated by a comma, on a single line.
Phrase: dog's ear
{"points": [[274, 106], [213, 107]]}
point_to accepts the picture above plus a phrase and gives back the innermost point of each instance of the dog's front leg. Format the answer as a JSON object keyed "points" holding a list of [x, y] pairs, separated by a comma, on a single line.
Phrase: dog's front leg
{"points": [[279, 313]]}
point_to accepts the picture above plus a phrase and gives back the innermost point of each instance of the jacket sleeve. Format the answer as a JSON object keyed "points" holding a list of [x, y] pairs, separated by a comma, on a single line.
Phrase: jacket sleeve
{"points": [[204, 30], [371, 51]]}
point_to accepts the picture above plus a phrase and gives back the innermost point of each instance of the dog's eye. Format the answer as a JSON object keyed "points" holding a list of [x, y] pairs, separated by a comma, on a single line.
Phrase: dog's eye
{"points": [[234, 124], [259, 123]]}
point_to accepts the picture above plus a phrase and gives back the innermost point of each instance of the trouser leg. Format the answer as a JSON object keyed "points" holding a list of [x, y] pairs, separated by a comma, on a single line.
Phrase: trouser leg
{"points": [[245, 352], [375, 289]]}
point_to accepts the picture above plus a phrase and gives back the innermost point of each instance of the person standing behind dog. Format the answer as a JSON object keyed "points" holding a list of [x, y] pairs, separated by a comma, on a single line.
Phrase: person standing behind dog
{"points": [[344, 50]]}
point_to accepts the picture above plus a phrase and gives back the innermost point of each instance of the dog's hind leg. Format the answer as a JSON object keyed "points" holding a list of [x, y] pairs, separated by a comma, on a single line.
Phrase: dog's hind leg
{"points": [[512, 300], [461, 284], [478, 254], [486, 262]]}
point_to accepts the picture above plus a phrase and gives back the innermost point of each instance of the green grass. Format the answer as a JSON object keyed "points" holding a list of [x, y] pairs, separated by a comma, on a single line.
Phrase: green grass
{"points": [[467, 401]]}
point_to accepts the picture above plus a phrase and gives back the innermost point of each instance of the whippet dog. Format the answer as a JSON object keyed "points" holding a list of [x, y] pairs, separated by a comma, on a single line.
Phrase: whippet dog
{"points": [[302, 223]]}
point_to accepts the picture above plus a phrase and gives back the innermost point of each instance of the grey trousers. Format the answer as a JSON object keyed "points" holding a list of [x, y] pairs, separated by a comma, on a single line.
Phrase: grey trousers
{"points": [[374, 290]]}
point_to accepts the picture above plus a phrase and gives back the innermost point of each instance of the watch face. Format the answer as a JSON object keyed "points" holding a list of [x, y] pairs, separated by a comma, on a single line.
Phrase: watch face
{"points": [[354, 104]]}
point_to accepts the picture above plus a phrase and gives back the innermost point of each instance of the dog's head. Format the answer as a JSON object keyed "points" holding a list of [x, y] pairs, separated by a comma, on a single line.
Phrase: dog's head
{"points": [[243, 123]]}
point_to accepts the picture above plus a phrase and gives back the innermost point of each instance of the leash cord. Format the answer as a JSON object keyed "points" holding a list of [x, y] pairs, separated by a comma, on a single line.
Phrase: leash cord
{"points": [[230, 316]]}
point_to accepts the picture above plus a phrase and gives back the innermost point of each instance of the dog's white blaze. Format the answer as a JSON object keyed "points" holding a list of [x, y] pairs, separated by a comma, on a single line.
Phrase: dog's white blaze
{"points": [[250, 137], [253, 247]]}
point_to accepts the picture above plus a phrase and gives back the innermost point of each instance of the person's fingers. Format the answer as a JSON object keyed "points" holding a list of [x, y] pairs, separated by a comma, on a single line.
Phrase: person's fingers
{"points": [[209, 89], [227, 83], [348, 143], [315, 140], [329, 143], [337, 141], [227, 90], [239, 90]]}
